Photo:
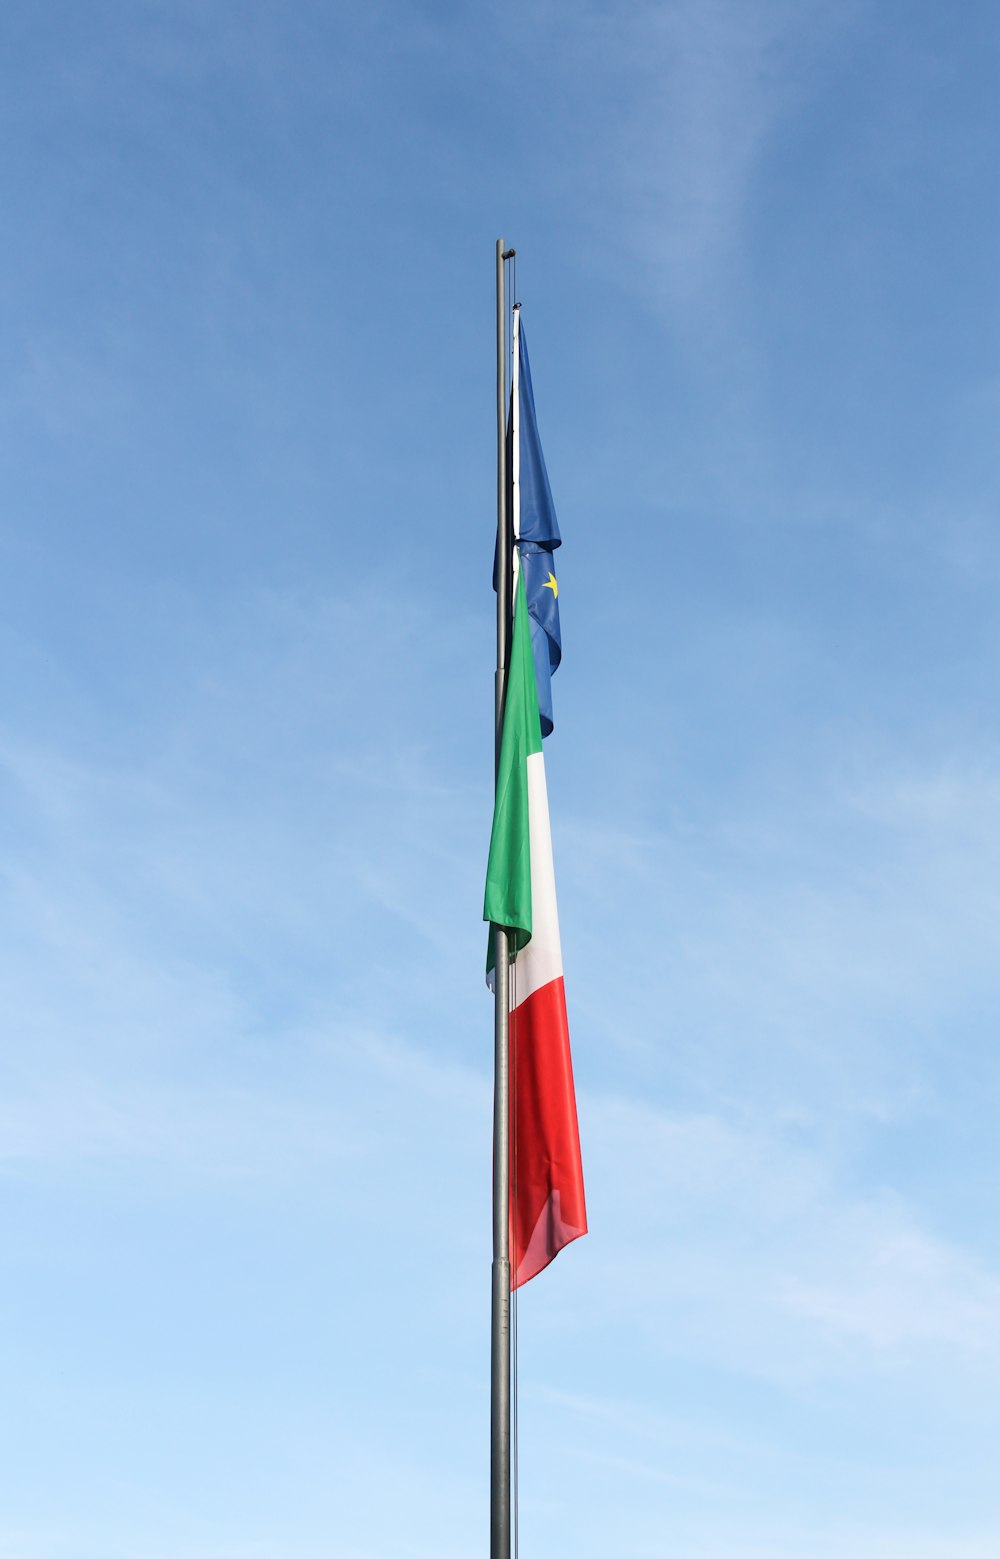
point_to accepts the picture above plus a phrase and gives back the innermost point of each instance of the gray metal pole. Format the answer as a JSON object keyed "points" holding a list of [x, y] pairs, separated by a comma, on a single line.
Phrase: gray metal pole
{"points": [[500, 1327]]}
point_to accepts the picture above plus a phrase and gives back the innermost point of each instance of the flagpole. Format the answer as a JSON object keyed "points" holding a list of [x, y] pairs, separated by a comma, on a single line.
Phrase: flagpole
{"points": [[500, 1320]]}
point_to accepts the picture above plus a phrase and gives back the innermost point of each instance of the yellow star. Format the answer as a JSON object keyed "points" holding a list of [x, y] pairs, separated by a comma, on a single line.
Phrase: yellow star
{"points": [[550, 584]]}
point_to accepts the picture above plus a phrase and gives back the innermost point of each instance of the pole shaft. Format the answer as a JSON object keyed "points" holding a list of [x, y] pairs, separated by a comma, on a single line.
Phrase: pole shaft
{"points": [[500, 1318]]}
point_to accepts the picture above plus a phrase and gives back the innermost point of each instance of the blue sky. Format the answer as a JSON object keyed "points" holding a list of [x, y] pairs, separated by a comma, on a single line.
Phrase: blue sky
{"points": [[245, 755]]}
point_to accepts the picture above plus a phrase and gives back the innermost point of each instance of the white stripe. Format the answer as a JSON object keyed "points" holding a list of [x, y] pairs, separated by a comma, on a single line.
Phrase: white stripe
{"points": [[541, 961]]}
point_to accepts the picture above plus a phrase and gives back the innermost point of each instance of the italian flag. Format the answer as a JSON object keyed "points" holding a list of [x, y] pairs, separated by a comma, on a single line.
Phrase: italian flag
{"points": [[547, 1208]]}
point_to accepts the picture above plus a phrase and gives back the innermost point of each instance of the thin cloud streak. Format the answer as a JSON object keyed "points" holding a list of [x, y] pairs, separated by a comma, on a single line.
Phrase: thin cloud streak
{"points": [[718, 80]]}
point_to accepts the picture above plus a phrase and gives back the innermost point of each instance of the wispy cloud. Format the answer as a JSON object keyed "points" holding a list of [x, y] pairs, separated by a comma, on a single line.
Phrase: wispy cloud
{"points": [[710, 85], [894, 1286], [750, 1246]]}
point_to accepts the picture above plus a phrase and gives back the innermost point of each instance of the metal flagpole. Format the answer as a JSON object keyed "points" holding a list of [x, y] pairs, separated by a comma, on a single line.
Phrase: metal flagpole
{"points": [[500, 1324]]}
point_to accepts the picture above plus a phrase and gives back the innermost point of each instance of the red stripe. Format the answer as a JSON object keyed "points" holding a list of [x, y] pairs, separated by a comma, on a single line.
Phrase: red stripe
{"points": [[547, 1207]]}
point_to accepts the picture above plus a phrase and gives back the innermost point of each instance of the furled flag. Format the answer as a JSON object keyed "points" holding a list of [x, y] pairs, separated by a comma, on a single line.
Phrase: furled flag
{"points": [[547, 1208], [534, 526]]}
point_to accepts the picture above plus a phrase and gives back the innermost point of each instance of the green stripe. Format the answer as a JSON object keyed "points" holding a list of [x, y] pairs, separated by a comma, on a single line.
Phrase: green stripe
{"points": [[508, 872]]}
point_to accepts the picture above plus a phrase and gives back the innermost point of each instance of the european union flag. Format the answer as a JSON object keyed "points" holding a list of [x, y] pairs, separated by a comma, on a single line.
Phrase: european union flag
{"points": [[538, 512], [539, 536]]}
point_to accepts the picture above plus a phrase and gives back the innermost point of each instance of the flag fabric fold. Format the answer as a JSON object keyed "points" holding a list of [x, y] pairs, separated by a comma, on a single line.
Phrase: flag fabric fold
{"points": [[547, 1203]]}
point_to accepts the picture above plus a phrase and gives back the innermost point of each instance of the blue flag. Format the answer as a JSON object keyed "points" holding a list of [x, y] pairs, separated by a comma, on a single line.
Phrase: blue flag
{"points": [[539, 537], [538, 512]]}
